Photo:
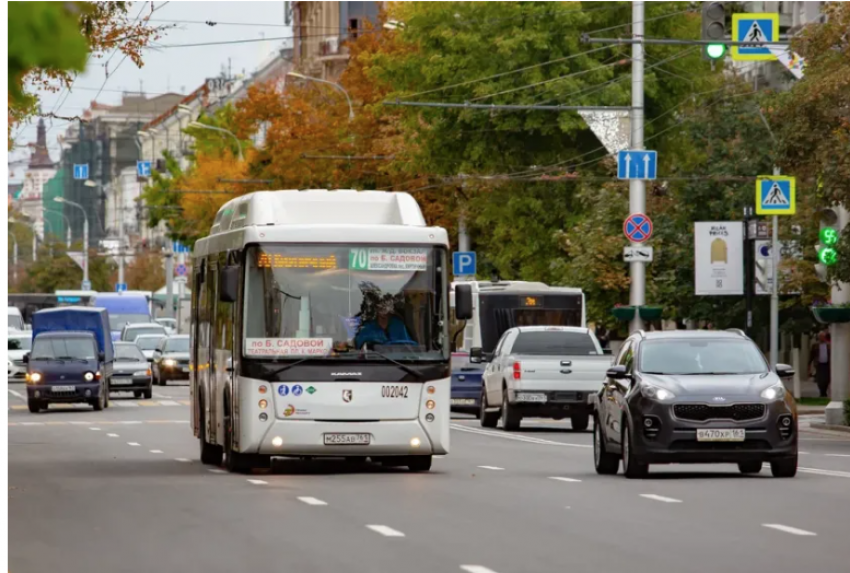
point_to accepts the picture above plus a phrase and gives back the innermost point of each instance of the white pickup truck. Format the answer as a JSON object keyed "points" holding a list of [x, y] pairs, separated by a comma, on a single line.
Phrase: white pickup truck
{"points": [[541, 372]]}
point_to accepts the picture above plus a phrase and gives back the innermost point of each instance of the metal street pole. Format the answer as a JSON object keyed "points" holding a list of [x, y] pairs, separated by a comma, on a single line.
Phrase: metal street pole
{"points": [[34, 245], [637, 195], [85, 235], [14, 258], [121, 235], [774, 291], [749, 269], [839, 334], [169, 282], [181, 260]]}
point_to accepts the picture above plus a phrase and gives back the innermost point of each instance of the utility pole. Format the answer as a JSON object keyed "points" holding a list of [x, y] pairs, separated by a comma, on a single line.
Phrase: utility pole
{"points": [[839, 334], [637, 187], [121, 235], [14, 258], [34, 245]]}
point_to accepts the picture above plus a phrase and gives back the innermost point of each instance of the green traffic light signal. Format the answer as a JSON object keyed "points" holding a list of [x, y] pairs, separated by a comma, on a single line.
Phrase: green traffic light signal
{"points": [[829, 236], [715, 51], [828, 256]]}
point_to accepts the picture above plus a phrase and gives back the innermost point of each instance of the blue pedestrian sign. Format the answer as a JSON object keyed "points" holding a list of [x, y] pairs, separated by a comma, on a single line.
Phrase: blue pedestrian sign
{"points": [[143, 168], [754, 28], [464, 263], [776, 195], [81, 171], [637, 164], [120, 287]]}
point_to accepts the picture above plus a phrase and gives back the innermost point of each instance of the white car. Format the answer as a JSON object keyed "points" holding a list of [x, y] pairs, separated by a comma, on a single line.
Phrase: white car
{"points": [[134, 330], [148, 343], [16, 319], [170, 324], [20, 343]]}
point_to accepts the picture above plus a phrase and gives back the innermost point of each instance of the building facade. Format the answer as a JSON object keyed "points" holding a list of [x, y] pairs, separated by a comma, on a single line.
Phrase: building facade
{"points": [[40, 170]]}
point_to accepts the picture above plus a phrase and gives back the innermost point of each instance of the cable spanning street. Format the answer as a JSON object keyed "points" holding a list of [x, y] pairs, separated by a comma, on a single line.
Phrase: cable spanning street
{"points": [[124, 491]]}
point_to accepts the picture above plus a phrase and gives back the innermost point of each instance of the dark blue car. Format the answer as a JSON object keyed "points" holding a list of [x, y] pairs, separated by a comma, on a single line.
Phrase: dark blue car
{"points": [[466, 389]]}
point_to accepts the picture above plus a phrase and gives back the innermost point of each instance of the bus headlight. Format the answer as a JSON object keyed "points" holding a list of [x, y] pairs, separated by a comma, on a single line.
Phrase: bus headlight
{"points": [[430, 404], [277, 441], [88, 376], [415, 442]]}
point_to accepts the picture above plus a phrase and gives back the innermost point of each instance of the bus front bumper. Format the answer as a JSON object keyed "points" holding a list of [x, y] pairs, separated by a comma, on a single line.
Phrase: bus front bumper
{"points": [[310, 438]]}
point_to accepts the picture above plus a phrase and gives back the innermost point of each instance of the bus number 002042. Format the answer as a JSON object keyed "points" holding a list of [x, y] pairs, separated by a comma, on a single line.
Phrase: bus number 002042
{"points": [[394, 391]]}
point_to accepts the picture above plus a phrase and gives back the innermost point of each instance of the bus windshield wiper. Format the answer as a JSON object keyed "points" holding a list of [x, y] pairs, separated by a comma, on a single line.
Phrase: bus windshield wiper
{"points": [[291, 364], [404, 367]]}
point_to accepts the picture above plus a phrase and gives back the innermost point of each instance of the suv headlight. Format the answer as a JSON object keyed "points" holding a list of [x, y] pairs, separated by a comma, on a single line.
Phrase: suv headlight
{"points": [[775, 392], [656, 392]]}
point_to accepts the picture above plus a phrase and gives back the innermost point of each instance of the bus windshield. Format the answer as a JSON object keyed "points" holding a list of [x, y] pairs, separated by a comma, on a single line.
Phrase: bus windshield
{"points": [[345, 302], [499, 312]]}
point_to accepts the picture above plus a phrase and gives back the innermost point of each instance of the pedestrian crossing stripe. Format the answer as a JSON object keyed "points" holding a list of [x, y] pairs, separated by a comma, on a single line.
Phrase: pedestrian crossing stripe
{"points": [[776, 195], [754, 28]]}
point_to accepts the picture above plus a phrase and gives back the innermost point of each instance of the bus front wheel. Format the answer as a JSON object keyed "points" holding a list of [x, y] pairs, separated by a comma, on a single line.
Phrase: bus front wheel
{"points": [[210, 453], [419, 463]]}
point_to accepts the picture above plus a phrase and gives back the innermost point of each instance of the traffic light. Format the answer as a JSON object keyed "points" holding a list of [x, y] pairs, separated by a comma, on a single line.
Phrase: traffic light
{"points": [[827, 241], [714, 28]]}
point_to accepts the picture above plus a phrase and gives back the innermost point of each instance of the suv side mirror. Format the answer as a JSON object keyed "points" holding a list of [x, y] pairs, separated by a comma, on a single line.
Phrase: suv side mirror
{"points": [[476, 356], [228, 284], [463, 302], [784, 371], [617, 372]]}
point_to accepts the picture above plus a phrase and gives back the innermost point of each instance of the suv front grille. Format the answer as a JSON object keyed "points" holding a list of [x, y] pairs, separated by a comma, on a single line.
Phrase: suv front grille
{"points": [[704, 412]]}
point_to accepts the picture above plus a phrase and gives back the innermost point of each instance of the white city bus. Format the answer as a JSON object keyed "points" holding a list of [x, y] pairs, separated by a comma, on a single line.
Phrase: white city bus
{"points": [[320, 328]]}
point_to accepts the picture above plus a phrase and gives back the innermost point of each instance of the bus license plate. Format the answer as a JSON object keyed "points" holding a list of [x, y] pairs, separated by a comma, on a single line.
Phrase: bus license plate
{"points": [[347, 439], [734, 435]]}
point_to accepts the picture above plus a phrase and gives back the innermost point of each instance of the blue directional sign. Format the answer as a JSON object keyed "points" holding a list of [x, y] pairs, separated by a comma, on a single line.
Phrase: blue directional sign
{"points": [[754, 28], [179, 247], [637, 164], [143, 168], [120, 287], [81, 171], [464, 263], [776, 195]]}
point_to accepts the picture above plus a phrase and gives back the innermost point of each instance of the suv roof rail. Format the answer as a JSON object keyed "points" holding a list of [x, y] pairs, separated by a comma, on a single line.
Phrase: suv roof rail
{"points": [[737, 331]]}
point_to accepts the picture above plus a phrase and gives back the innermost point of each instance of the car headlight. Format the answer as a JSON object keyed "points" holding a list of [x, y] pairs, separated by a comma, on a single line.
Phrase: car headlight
{"points": [[88, 376], [775, 392], [35, 377], [656, 392], [169, 362]]}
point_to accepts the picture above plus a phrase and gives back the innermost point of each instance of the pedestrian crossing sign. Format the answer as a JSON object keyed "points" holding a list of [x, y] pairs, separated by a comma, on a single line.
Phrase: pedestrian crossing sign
{"points": [[776, 195], [754, 28]]}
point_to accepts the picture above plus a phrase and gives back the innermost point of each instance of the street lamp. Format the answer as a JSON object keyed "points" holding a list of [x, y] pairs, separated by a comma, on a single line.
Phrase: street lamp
{"points": [[199, 125], [85, 238], [335, 85], [67, 225]]}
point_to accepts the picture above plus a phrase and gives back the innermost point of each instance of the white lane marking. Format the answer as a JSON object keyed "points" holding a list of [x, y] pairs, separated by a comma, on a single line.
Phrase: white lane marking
{"points": [[571, 480], [788, 529], [836, 455], [16, 394], [184, 460], [385, 531], [517, 438], [312, 501], [156, 451], [217, 471], [112, 435], [475, 569], [125, 404], [491, 468], [257, 482], [158, 395], [32, 423], [80, 423], [830, 473], [92, 428], [660, 498], [168, 403], [128, 422], [133, 444]]}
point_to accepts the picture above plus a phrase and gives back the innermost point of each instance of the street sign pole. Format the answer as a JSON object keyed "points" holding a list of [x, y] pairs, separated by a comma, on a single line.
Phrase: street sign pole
{"points": [[637, 198], [774, 291], [181, 260], [169, 282]]}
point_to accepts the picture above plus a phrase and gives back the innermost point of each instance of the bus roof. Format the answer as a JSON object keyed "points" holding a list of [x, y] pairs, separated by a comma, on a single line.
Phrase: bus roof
{"points": [[121, 303], [517, 287]]}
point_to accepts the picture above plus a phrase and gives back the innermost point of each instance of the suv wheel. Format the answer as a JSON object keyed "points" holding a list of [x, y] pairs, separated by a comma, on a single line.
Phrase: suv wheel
{"points": [[785, 467], [753, 467], [632, 468], [606, 464]]}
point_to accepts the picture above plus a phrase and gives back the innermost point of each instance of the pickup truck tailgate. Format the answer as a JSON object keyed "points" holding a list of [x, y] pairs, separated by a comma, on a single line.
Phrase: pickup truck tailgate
{"points": [[568, 373]]}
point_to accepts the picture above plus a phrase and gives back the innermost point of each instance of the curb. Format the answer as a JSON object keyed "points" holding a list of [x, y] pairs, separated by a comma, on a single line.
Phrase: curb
{"points": [[819, 426]]}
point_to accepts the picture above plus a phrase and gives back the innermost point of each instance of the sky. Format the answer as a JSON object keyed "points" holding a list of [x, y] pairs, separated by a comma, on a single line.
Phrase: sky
{"points": [[166, 69]]}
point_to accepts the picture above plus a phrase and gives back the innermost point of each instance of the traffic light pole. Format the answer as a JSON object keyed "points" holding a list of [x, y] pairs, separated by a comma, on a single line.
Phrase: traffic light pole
{"points": [[839, 334], [637, 187]]}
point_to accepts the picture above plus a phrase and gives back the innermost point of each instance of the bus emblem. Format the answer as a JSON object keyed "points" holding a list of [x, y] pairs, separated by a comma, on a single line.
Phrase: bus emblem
{"points": [[347, 395]]}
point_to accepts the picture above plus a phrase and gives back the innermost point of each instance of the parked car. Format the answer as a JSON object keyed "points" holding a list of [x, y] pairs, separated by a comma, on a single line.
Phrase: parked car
{"points": [[170, 324], [131, 371], [20, 344], [133, 330], [148, 343], [171, 360], [71, 358], [694, 396], [541, 372]]}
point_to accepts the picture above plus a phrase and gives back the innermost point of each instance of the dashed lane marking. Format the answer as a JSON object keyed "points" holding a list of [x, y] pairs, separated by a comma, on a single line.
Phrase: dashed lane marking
{"points": [[168, 403], [134, 444], [830, 473], [182, 460], [476, 569], [258, 482], [517, 437], [789, 529], [570, 480], [660, 498], [158, 395], [836, 455], [112, 435], [156, 451], [491, 468], [216, 471], [385, 531], [93, 429], [101, 423], [32, 423], [312, 501]]}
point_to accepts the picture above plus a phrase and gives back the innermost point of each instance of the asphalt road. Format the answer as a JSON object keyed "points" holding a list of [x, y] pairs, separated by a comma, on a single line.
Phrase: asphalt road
{"points": [[122, 491]]}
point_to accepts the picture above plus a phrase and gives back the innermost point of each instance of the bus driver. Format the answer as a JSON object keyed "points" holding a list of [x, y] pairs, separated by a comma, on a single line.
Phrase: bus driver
{"points": [[385, 328]]}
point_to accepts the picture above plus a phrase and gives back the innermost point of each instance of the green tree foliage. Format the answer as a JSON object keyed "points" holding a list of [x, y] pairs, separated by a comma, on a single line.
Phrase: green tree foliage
{"points": [[55, 270]]}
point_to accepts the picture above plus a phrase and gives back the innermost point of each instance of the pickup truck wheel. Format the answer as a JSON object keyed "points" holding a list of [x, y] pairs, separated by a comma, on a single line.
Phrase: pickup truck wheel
{"points": [[632, 468], [605, 463], [510, 417], [580, 422], [488, 419]]}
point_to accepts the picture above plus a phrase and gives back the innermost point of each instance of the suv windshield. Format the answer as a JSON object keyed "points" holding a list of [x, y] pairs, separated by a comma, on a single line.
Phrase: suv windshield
{"points": [[701, 356], [131, 333], [64, 348], [129, 353], [338, 302], [177, 345], [117, 321], [553, 343], [20, 343]]}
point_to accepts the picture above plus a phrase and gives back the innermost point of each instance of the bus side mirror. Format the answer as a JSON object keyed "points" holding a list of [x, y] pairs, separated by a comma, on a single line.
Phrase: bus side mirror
{"points": [[463, 302], [228, 284]]}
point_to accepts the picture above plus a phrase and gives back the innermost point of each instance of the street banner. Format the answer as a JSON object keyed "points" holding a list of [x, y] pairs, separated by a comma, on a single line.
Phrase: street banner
{"points": [[719, 258]]}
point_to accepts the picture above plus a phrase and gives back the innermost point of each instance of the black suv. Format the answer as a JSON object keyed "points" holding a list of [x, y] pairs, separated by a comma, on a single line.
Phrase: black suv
{"points": [[694, 396]]}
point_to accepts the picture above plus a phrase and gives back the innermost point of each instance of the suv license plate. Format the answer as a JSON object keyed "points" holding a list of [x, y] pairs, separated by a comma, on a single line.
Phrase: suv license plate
{"points": [[347, 439], [63, 388], [707, 435]]}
